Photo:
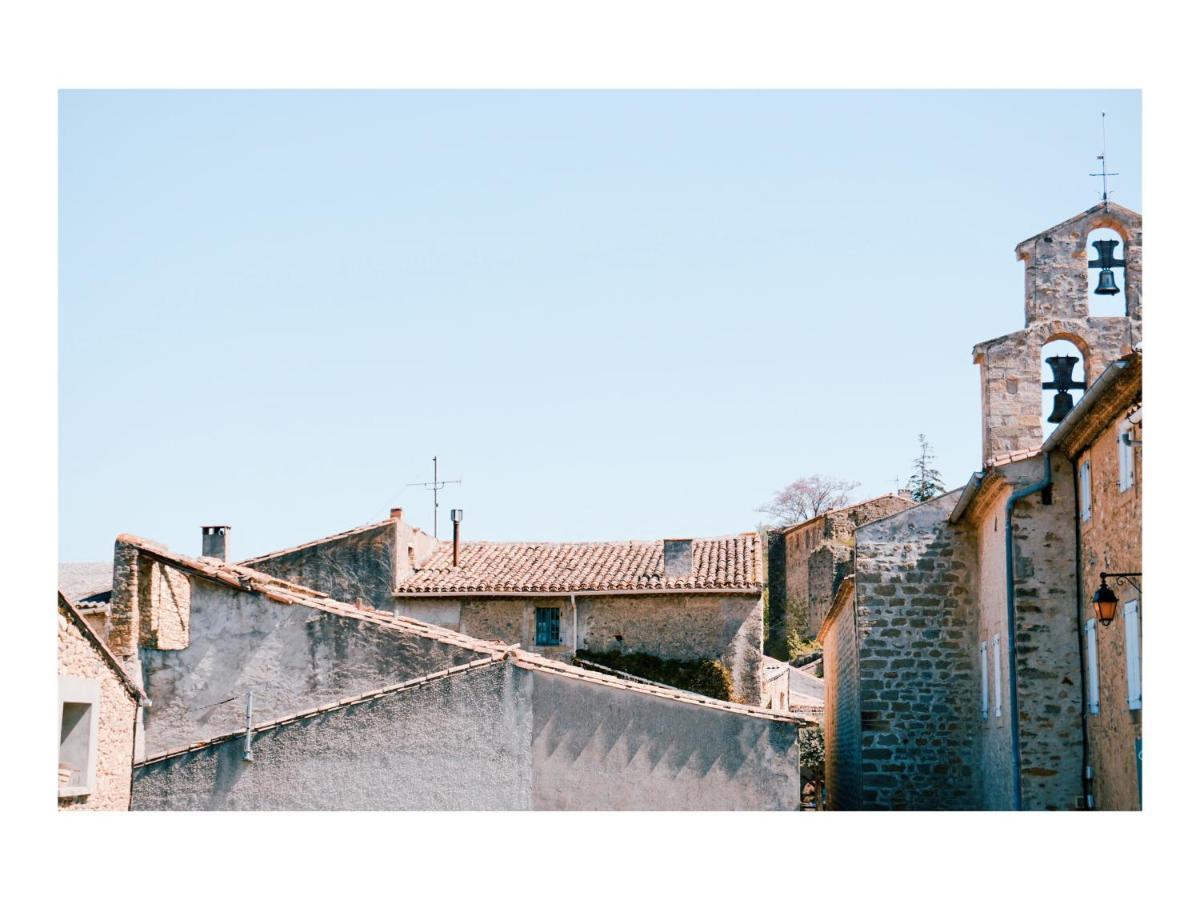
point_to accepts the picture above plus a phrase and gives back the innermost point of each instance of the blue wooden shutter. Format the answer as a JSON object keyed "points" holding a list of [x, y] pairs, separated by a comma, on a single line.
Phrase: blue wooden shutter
{"points": [[1133, 654], [983, 681]]}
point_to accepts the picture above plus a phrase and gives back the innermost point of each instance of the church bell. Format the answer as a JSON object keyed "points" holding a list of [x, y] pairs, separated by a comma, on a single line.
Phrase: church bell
{"points": [[1062, 406], [1063, 368], [1106, 263]]}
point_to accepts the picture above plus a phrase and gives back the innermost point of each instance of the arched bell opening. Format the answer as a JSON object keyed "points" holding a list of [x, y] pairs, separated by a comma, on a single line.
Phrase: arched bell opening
{"points": [[1106, 272], [1064, 379]]}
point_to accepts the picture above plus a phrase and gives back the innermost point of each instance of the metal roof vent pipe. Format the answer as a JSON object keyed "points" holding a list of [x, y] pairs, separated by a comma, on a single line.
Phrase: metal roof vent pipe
{"points": [[214, 541], [456, 518]]}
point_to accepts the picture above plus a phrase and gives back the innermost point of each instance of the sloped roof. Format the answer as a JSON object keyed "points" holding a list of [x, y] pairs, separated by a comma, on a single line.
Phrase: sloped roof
{"points": [[788, 529], [729, 563], [83, 583], [67, 608]]}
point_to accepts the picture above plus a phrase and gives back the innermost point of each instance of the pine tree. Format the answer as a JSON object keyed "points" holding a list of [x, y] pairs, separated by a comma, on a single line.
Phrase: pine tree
{"points": [[925, 481]]}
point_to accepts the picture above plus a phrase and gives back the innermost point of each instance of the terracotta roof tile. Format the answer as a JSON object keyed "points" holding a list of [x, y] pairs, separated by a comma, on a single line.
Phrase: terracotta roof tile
{"points": [[733, 563]]}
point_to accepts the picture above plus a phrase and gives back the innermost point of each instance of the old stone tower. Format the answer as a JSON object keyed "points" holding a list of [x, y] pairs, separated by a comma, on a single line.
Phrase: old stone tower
{"points": [[1056, 308]]}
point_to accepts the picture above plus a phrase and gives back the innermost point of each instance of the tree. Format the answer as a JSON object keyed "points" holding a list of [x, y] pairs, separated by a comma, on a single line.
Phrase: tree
{"points": [[808, 497], [811, 743], [925, 483]]}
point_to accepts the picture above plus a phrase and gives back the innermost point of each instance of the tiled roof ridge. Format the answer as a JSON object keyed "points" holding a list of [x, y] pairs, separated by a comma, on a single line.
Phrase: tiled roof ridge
{"points": [[354, 700], [654, 542], [847, 507], [251, 580], [90, 635], [321, 540]]}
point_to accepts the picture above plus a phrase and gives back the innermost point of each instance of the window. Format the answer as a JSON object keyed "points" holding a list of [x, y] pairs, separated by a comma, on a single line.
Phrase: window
{"points": [[1133, 654], [1085, 491], [983, 669], [78, 720], [547, 626], [1093, 668], [1124, 458], [996, 675]]}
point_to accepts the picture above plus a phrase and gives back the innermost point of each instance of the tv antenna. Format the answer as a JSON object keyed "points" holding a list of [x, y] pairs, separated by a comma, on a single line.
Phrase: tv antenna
{"points": [[434, 486], [1104, 174]]}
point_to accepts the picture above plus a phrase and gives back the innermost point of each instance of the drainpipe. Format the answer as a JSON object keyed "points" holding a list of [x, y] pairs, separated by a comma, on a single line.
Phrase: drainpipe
{"points": [[574, 627], [1083, 687], [1014, 724]]}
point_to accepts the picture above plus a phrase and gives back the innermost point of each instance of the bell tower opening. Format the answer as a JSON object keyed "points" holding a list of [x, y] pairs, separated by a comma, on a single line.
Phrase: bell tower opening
{"points": [[1064, 379], [1106, 273]]}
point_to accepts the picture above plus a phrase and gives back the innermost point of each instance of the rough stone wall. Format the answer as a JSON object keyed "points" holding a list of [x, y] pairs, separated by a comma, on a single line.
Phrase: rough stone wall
{"points": [[361, 565], [775, 634], [1112, 542], [843, 722], [78, 657], [1047, 640], [498, 737], [1056, 306], [461, 742], [292, 657], [798, 546], [599, 748], [727, 627], [917, 618], [827, 566]]}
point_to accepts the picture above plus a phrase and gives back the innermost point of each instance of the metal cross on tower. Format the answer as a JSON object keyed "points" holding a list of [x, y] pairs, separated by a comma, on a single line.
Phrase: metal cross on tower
{"points": [[434, 486], [1104, 174]]}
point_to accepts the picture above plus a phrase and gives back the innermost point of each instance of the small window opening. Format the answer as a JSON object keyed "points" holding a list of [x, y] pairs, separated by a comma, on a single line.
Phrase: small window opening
{"points": [[548, 626], [75, 748], [1106, 283]]}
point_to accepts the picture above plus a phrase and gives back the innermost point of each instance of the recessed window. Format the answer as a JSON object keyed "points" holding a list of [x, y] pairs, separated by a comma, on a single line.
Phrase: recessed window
{"points": [[78, 710], [547, 626]]}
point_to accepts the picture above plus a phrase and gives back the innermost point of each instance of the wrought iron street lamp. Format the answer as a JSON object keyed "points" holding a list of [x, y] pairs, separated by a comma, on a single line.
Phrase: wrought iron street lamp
{"points": [[1105, 601]]}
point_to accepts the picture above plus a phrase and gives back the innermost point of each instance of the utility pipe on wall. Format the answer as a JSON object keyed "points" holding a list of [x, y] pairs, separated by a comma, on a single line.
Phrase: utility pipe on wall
{"points": [[574, 627]]}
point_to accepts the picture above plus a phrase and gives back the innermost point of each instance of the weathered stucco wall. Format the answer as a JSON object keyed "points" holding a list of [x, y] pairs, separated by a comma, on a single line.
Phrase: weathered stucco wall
{"points": [[1112, 542], [917, 618], [843, 722], [727, 627], [292, 657], [498, 737], [599, 748], [460, 742], [79, 658]]}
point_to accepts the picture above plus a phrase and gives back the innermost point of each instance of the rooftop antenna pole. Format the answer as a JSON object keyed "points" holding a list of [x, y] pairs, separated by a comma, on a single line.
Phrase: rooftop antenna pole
{"points": [[1104, 174], [434, 486]]}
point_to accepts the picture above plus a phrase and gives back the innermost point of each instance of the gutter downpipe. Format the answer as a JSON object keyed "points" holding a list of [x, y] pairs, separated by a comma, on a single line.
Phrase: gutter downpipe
{"points": [[1014, 724], [1083, 687], [574, 627]]}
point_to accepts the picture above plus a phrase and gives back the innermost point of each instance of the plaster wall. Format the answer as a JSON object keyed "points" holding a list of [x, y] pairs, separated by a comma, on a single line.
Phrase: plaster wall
{"points": [[117, 713]]}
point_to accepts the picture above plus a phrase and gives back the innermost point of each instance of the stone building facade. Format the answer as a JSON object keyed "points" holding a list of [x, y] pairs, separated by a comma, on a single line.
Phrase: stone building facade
{"points": [[270, 695], [807, 562], [956, 661], [98, 714]]}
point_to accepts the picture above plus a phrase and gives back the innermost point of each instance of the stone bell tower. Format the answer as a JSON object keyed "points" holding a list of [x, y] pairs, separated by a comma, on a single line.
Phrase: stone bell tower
{"points": [[1056, 308]]}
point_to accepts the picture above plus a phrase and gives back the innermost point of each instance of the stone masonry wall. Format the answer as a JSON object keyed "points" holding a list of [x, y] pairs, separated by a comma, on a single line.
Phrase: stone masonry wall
{"points": [[78, 657], [917, 618], [727, 627], [1112, 542], [1049, 681], [843, 723]]}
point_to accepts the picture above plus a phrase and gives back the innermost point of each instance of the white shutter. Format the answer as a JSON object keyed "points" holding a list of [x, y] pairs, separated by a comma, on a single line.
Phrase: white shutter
{"points": [[996, 676], [1124, 460], [1133, 654], [1093, 671], [1085, 491], [983, 669]]}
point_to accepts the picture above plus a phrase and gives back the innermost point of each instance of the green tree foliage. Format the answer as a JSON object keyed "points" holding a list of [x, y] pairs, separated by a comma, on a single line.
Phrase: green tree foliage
{"points": [[709, 677], [925, 483]]}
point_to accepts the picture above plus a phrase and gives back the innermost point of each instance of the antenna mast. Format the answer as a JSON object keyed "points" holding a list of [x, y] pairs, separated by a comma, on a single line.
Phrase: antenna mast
{"points": [[434, 486], [1104, 174]]}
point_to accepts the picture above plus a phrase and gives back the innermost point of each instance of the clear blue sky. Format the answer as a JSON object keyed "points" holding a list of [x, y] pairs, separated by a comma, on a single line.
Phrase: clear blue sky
{"points": [[613, 315]]}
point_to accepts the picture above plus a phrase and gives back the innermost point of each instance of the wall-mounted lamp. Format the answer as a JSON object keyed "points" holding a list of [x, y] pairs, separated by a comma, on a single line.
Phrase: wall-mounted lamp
{"points": [[1104, 601]]}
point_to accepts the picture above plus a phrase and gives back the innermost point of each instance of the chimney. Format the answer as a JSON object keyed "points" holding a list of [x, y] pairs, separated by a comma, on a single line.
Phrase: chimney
{"points": [[456, 518], [677, 557], [396, 513], [214, 541]]}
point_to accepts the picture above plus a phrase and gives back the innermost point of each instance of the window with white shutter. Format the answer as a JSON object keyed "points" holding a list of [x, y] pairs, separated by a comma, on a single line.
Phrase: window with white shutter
{"points": [[1093, 670], [983, 684], [1133, 654], [996, 675], [1085, 491], [1124, 459]]}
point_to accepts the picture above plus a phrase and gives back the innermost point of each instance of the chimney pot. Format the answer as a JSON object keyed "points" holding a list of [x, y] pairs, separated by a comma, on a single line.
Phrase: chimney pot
{"points": [[214, 541], [456, 518], [397, 512]]}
